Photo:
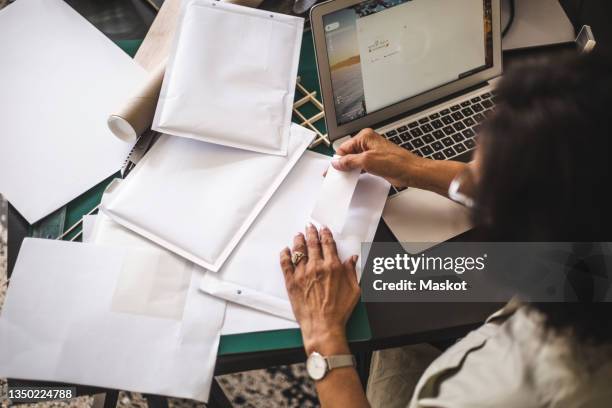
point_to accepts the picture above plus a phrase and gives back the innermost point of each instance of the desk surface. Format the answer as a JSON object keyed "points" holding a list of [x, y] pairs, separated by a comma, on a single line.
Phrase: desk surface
{"points": [[358, 327], [390, 324]]}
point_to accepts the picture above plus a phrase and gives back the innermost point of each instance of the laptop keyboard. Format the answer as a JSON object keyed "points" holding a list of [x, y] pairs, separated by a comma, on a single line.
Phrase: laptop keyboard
{"points": [[445, 134]]}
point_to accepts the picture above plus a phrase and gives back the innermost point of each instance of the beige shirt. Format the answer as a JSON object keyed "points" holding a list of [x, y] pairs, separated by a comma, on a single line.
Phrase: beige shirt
{"points": [[512, 361]]}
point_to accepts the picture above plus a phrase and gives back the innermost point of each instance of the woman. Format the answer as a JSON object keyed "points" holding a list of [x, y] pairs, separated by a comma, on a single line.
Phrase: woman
{"points": [[541, 173]]}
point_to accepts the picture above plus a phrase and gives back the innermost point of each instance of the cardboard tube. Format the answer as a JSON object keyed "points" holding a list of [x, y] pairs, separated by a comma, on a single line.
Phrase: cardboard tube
{"points": [[136, 115]]}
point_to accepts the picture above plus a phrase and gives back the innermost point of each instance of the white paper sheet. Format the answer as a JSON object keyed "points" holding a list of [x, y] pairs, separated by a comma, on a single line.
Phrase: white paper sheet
{"points": [[335, 196], [198, 199], [59, 79], [155, 286], [231, 77], [252, 276], [57, 324], [89, 223], [238, 318]]}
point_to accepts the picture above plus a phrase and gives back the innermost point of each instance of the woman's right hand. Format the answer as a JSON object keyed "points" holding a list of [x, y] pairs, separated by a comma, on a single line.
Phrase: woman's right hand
{"points": [[374, 154]]}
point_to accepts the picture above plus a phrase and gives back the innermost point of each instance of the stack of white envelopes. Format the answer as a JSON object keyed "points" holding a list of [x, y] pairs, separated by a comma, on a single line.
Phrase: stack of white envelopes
{"points": [[186, 248]]}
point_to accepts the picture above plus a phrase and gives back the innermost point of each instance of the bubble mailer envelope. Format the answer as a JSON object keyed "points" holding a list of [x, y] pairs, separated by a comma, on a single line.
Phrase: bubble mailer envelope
{"points": [[198, 199], [231, 76], [252, 275]]}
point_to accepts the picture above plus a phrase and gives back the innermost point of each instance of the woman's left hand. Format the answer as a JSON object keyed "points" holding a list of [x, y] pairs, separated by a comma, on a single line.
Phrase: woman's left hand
{"points": [[323, 290]]}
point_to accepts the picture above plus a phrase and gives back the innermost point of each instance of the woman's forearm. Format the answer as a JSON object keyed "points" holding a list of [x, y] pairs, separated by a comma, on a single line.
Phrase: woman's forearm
{"points": [[434, 175], [341, 387], [323, 291]]}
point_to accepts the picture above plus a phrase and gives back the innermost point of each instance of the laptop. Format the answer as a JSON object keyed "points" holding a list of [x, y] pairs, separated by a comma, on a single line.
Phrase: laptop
{"points": [[421, 73]]}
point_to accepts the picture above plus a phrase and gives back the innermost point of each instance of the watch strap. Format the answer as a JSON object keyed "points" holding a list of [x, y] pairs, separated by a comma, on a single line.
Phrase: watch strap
{"points": [[341, 360]]}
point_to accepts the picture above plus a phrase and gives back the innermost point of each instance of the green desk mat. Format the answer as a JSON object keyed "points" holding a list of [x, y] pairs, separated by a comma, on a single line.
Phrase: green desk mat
{"points": [[358, 328]]}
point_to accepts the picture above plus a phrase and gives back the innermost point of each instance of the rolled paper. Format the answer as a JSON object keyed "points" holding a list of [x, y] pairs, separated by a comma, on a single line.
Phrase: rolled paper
{"points": [[136, 115]]}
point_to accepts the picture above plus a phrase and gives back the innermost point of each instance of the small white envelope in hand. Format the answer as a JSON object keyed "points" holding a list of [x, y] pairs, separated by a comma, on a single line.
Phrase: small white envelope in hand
{"points": [[335, 195], [231, 77]]}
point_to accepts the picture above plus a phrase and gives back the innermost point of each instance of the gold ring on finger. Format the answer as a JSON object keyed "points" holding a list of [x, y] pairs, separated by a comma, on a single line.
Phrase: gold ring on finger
{"points": [[296, 257]]}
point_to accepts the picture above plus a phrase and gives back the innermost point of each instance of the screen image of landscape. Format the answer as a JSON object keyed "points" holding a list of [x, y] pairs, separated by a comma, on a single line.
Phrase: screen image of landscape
{"points": [[382, 52]]}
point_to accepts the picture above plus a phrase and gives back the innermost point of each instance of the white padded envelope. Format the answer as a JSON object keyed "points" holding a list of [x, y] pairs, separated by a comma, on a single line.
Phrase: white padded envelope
{"points": [[231, 77], [252, 275], [198, 199]]}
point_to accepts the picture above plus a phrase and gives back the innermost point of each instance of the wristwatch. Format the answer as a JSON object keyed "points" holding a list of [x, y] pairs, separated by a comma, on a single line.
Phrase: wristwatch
{"points": [[318, 366]]}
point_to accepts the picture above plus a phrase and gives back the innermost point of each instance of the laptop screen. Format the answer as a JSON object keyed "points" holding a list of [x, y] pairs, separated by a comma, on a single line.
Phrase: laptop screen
{"points": [[382, 52]]}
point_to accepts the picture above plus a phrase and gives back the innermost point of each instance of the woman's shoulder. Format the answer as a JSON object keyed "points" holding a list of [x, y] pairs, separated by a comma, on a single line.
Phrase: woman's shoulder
{"points": [[560, 368], [513, 361]]}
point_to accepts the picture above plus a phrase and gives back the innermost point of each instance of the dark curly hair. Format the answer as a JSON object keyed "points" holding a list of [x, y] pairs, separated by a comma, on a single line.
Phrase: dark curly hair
{"points": [[547, 168]]}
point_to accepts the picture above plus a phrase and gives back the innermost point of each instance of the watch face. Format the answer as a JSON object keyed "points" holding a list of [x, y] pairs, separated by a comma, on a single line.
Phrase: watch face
{"points": [[316, 366]]}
